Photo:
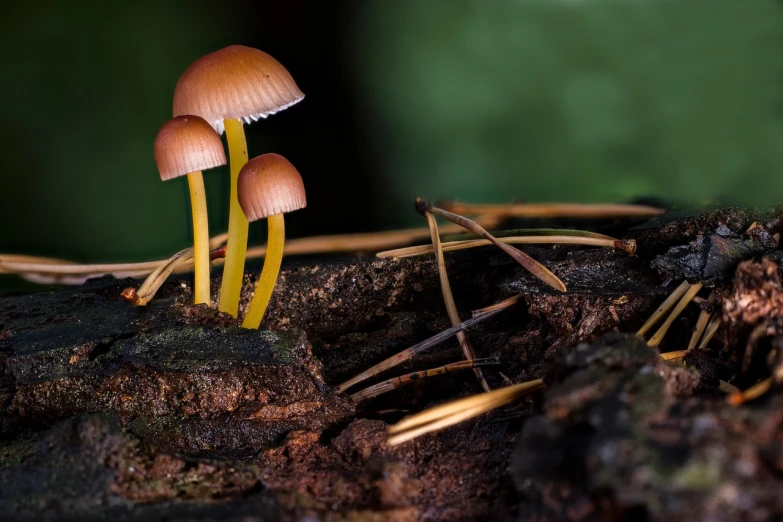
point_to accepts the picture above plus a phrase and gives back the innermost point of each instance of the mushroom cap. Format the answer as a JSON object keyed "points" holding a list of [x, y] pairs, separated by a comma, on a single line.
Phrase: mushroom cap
{"points": [[235, 82], [187, 144], [269, 185]]}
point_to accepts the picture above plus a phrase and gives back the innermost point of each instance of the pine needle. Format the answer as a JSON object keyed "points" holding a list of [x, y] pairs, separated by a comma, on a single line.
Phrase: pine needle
{"points": [[451, 246], [709, 332], [398, 382], [457, 411], [701, 324], [448, 298], [562, 210], [664, 307], [752, 393], [530, 264], [410, 353], [690, 293]]}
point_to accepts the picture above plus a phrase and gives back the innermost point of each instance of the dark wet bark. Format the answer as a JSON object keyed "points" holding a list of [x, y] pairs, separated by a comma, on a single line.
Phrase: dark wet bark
{"points": [[172, 412]]}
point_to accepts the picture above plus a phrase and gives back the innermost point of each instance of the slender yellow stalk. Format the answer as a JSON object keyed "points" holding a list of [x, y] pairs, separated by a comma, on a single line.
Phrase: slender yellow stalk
{"points": [[693, 289], [198, 208], [448, 298], [266, 282], [234, 268]]}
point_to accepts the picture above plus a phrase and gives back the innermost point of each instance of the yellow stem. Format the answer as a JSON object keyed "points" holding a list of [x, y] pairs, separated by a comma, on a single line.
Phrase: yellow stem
{"points": [[198, 208], [233, 270], [266, 283]]}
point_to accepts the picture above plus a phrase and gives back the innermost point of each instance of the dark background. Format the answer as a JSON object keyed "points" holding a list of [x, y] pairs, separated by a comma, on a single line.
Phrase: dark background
{"points": [[479, 100]]}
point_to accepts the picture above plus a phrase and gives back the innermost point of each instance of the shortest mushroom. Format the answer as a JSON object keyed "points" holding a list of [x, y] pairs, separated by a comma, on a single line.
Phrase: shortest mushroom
{"points": [[268, 186], [187, 145]]}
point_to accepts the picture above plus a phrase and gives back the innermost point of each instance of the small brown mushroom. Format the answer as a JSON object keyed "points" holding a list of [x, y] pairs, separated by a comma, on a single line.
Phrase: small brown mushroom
{"points": [[186, 145], [268, 187]]}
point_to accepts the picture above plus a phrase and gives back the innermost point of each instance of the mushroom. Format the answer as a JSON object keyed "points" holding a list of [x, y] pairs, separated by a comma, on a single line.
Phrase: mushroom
{"points": [[269, 186], [188, 145], [227, 87]]}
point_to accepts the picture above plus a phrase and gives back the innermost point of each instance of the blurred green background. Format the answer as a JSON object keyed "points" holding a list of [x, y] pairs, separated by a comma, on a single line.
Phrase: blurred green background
{"points": [[478, 100]]}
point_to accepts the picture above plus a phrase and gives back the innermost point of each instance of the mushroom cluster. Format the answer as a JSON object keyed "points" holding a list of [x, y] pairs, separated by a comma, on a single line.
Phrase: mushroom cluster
{"points": [[219, 93]]}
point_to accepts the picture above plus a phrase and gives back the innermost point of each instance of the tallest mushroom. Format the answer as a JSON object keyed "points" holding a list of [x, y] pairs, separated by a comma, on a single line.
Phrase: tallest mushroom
{"points": [[228, 87]]}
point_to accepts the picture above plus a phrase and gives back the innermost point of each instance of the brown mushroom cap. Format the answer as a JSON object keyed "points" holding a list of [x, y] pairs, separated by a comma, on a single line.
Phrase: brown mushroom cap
{"points": [[235, 82], [187, 144], [269, 185]]}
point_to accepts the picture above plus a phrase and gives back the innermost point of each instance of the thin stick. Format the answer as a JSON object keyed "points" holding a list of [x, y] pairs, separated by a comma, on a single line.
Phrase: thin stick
{"points": [[458, 411], [693, 289], [664, 307], [530, 264], [451, 246], [709, 333], [754, 392], [448, 298], [410, 353], [554, 210], [398, 382], [701, 324]]}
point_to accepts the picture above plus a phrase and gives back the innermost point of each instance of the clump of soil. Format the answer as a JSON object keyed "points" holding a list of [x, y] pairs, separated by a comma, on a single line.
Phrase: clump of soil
{"points": [[171, 411]]}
